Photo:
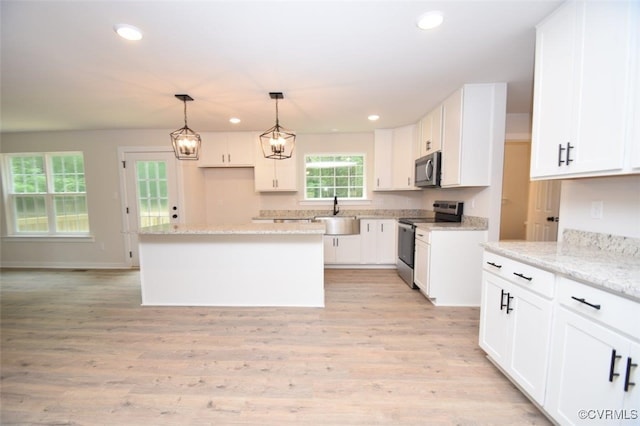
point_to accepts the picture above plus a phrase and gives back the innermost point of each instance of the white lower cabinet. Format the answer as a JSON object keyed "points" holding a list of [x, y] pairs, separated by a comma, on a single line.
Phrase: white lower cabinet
{"points": [[572, 348], [515, 332], [594, 375], [378, 241], [341, 249], [437, 269]]}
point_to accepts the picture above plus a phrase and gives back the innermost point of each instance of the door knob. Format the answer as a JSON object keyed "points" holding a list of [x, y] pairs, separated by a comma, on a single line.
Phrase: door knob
{"points": [[553, 219], [175, 216]]}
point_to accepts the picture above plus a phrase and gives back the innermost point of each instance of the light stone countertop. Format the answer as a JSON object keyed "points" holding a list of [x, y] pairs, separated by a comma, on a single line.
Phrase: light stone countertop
{"points": [[244, 229], [614, 272], [449, 226]]}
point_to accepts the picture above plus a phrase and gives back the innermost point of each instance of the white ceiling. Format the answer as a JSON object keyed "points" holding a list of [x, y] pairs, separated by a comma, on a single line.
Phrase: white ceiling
{"points": [[64, 68]]}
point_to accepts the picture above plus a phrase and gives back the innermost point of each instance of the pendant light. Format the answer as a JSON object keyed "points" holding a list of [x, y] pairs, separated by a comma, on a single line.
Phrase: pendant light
{"points": [[277, 142], [186, 142]]}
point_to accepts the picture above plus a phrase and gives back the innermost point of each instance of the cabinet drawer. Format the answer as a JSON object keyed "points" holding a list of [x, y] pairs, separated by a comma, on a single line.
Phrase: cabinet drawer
{"points": [[527, 276], [609, 309], [422, 235]]}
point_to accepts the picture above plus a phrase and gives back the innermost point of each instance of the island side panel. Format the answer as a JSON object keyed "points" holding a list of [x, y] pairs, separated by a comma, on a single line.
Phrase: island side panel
{"points": [[232, 270]]}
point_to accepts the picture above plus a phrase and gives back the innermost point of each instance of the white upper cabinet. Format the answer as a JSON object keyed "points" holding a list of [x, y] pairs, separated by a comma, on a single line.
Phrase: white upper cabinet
{"points": [[473, 122], [227, 149], [275, 175], [383, 152], [404, 149], [583, 93], [430, 129], [394, 163]]}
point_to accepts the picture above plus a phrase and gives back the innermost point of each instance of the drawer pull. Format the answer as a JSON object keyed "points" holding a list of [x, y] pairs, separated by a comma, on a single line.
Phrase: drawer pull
{"points": [[517, 274], [494, 264], [627, 378], [586, 303], [612, 367]]}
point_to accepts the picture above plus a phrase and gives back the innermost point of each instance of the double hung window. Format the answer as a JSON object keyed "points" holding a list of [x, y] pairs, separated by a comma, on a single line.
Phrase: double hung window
{"points": [[46, 194]]}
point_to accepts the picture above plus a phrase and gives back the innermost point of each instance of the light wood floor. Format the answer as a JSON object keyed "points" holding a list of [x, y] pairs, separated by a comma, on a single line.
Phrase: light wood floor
{"points": [[77, 348]]}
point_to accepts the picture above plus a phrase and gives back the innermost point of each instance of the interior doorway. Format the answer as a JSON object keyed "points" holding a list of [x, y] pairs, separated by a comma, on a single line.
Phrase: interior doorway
{"points": [[515, 190], [529, 208]]}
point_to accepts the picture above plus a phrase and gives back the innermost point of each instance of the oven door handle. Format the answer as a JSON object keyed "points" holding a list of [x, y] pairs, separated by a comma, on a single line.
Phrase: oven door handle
{"points": [[405, 226]]}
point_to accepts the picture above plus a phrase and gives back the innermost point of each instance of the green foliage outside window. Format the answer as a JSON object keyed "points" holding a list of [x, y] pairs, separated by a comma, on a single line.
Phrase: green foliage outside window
{"points": [[47, 193], [334, 175]]}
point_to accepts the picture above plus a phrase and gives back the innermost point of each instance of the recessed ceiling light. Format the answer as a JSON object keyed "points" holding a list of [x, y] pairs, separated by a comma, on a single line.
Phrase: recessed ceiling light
{"points": [[373, 117], [128, 32], [430, 20], [234, 120]]}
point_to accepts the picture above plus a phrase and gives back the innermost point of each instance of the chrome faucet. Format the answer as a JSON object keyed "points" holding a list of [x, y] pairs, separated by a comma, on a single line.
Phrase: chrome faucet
{"points": [[336, 210]]}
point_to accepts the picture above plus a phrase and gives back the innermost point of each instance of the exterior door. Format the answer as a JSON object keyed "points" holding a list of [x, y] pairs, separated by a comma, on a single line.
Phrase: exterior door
{"points": [[544, 207], [151, 195]]}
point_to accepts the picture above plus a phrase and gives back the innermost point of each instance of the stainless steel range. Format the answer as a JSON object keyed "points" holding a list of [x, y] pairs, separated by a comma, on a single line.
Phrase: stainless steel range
{"points": [[445, 211]]}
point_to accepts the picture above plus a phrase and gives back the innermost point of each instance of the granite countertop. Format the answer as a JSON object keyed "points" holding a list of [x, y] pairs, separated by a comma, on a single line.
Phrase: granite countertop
{"points": [[448, 226], [611, 271], [244, 229]]}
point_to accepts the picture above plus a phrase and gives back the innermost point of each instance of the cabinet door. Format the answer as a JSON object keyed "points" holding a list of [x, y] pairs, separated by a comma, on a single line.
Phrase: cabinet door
{"points": [[584, 373], [348, 249], [383, 159], [329, 249], [431, 132], [240, 148], [421, 267], [553, 89], [286, 174], [386, 242], [493, 318], [274, 175], [451, 139], [404, 148], [530, 341], [604, 79], [368, 241], [581, 98], [214, 150]]}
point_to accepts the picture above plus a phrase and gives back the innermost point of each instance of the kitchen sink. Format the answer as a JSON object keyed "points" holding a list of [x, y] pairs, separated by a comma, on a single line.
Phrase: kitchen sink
{"points": [[339, 225]]}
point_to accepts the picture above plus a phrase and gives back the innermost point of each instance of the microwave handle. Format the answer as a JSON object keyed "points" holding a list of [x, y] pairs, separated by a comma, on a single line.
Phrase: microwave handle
{"points": [[429, 169]]}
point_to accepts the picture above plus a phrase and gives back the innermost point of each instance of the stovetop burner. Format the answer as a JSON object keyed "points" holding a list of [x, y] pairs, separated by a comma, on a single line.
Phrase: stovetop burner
{"points": [[415, 220], [445, 211]]}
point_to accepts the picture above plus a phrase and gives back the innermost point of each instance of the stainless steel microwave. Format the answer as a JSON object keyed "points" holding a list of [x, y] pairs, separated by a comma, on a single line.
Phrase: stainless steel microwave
{"points": [[428, 170]]}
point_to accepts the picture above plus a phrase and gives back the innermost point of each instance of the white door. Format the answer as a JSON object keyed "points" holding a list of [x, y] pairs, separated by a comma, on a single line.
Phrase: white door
{"points": [[151, 194], [544, 207]]}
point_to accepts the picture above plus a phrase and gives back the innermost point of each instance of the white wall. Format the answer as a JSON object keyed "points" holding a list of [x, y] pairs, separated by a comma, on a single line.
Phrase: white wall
{"points": [[620, 197], [107, 247]]}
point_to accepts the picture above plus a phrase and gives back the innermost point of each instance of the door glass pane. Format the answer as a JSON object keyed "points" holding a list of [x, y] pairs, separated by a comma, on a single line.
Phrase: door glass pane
{"points": [[153, 200]]}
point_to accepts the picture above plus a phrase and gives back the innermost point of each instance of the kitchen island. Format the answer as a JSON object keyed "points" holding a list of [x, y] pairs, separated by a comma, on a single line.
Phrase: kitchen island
{"points": [[258, 264]]}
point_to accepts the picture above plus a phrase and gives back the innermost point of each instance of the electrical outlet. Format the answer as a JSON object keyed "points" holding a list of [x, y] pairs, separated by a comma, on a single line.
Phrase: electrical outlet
{"points": [[596, 209]]}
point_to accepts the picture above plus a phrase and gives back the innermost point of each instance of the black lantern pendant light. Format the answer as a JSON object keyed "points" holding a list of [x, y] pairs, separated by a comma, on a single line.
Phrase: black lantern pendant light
{"points": [[186, 142], [277, 142]]}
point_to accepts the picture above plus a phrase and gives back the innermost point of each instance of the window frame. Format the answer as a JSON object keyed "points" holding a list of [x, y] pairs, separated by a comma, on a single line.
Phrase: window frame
{"points": [[337, 154], [49, 196]]}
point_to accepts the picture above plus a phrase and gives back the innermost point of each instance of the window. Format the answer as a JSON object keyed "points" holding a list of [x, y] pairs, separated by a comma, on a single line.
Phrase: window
{"points": [[46, 194], [341, 175]]}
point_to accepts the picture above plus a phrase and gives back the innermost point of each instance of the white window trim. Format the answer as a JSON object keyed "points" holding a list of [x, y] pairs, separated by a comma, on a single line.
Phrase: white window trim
{"points": [[318, 201], [12, 235]]}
